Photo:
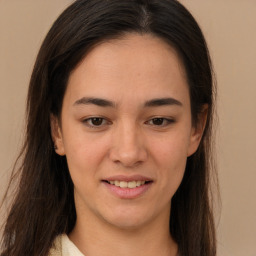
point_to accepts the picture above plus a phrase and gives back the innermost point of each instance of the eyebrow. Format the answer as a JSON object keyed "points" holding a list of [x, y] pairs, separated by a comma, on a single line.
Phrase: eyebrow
{"points": [[162, 102], [95, 101], [107, 103]]}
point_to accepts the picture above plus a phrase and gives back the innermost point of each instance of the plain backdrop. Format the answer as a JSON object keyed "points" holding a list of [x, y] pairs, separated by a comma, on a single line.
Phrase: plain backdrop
{"points": [[230, 30]]}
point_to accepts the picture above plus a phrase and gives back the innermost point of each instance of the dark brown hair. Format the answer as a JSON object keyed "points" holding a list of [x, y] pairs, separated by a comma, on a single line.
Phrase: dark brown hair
{"points": [[44, 204]]}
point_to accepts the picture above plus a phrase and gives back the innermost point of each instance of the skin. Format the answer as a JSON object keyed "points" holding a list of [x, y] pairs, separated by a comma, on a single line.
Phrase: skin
{"points": [[127, 140]]}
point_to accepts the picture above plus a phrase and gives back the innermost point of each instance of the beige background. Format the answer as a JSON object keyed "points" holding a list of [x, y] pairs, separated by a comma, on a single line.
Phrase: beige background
{"points": [[230, 29]]}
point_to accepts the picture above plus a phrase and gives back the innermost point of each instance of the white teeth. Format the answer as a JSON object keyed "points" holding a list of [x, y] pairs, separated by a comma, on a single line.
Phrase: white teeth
{"points": [[138, 183], [124, 184], [132, 184]]}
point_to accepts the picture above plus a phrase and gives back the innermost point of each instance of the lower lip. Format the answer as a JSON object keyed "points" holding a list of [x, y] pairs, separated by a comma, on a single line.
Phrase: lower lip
{"points": [[128, 193]]}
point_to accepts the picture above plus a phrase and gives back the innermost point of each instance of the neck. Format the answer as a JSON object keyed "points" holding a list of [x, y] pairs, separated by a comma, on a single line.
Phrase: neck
{"points": [[98, 238]]}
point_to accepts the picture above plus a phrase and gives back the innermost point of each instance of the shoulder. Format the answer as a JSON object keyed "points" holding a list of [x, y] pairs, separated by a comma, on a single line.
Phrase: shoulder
{"points": [[56, 249], [63, 246]]}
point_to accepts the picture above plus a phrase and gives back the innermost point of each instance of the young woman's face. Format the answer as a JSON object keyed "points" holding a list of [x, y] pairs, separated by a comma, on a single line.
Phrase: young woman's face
{"points": [[126, 131]]}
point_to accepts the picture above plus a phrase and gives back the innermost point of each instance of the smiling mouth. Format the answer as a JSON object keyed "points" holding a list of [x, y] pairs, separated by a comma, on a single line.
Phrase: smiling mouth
{"points": [[127, 184]]}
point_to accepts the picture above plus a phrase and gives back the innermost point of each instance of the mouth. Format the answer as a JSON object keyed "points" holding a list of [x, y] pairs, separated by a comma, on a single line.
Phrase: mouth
{"points": [[128, 187], [128, 184]]}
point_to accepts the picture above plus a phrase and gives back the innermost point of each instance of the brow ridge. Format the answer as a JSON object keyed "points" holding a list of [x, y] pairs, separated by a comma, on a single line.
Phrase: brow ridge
{"points": [[162, 102], [157, 102], [95, 101]]}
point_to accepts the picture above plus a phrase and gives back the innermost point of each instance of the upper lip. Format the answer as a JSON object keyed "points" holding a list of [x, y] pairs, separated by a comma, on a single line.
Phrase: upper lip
{"points": [[128, 178]]}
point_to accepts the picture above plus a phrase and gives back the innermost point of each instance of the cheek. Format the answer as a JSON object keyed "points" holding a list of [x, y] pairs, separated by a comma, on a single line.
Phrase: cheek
{"points": [[83, 159], [85, 153], [170, 155], [171, 149]]}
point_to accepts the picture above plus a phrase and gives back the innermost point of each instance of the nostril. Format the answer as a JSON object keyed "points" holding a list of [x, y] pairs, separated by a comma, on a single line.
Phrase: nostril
{"points": [[128, 154]]}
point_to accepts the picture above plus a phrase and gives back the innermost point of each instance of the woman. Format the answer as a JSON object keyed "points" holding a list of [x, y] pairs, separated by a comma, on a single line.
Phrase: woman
{"points": [[117, 153]]}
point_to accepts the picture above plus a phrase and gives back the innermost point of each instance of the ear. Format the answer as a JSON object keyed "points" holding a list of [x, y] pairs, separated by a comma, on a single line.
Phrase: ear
{"points": [[57, 135], [198, 130]]}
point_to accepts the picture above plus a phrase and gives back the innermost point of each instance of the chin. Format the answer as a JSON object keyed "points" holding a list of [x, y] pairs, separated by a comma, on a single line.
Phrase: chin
{"points": [[128, 219], [127, 224]]}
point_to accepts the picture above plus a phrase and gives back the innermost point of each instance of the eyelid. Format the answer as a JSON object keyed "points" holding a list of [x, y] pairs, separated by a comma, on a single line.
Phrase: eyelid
{"points": [[86, 121], [105, 121], [166, 120]]}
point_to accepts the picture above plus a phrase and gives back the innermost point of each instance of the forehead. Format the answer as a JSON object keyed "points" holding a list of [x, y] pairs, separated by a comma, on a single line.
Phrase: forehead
{"points": [[135, 65]]}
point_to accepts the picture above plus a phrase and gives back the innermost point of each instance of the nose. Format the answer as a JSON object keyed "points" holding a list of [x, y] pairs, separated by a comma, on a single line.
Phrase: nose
{"points": [[128, 146]]}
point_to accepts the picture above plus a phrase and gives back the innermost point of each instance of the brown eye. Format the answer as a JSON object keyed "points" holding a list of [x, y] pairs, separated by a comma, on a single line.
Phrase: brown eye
{"points": [[96, 121], [157, 121], [160, 121]]}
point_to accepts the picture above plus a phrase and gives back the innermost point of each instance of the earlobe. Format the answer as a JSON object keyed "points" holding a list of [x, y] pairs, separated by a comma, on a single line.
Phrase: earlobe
{"points": [[57, 135], [197, 130]]}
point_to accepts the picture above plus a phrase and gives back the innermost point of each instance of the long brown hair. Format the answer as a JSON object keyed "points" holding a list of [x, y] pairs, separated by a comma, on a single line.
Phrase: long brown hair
{"points": [[44, 203]]}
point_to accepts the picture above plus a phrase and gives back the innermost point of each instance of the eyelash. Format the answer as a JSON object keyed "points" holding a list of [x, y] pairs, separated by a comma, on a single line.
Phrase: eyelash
{"points": [[165, 121], [88, 122], [103, 121]]}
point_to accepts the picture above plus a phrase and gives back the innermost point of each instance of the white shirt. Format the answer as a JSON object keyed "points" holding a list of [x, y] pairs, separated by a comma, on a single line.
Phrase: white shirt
{"points": [[63, 246]]}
